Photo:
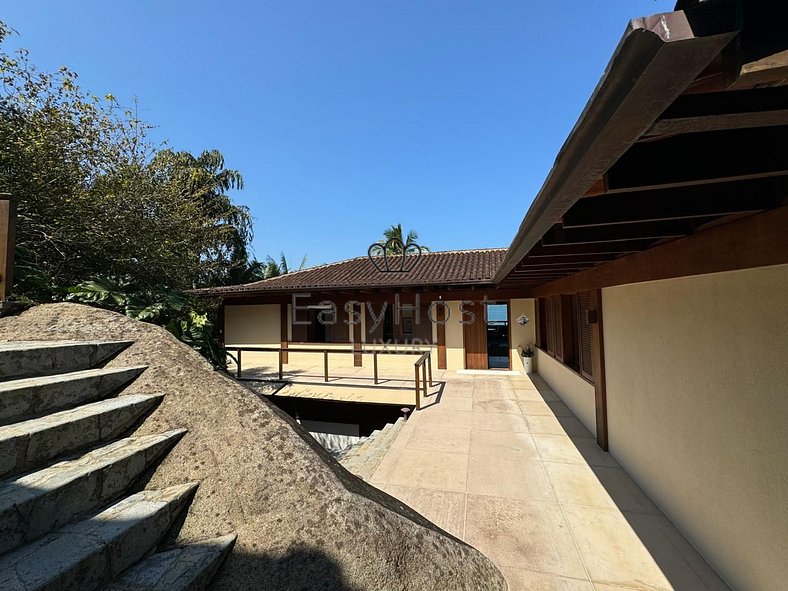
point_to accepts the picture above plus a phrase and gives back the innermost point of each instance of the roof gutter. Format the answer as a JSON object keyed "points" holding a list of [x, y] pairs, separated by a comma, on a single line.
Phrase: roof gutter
{"points": [[656, 60]]}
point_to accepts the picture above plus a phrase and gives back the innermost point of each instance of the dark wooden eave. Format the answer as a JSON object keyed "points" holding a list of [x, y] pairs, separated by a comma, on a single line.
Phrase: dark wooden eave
{"points": [[655, 61], [663, 150]]}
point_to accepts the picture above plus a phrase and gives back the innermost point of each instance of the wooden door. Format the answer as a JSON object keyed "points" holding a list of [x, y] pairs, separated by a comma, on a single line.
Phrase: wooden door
{"points": [[475, 339]]}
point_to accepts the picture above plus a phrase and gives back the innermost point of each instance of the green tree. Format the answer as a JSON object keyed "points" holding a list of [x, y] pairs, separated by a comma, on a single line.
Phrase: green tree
{"points": [[106, 217], [274, 268], [396, 233], [96, 197]]}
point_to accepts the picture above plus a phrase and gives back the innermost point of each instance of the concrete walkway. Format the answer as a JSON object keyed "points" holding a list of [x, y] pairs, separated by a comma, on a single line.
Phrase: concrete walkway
{"points": [[501, 463]]}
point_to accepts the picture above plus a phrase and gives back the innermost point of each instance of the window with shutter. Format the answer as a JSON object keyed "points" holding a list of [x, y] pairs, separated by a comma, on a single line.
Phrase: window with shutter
{"points": [[584, 336], [541, 324], [550, 324]]}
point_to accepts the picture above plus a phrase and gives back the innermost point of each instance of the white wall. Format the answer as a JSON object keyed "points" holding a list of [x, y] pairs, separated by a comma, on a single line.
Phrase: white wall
{"points": [[252, 325], [578, 394], [455, 352], [697, 393], [521, 335]]}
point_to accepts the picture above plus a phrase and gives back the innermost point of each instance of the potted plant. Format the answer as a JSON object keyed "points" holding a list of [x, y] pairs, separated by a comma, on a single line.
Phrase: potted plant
{"points": [[528, 359]]}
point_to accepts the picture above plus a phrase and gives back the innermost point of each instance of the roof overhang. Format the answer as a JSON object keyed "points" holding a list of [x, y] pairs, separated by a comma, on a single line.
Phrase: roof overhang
{"points": [[657, 60]]}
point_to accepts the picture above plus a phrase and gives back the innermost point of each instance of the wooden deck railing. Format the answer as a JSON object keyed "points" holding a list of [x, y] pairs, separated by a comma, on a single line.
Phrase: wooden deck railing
{"points": [[424, 362]]}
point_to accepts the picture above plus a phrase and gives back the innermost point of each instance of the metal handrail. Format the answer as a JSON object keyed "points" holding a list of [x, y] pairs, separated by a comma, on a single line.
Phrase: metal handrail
{"points": [[424, 361]]}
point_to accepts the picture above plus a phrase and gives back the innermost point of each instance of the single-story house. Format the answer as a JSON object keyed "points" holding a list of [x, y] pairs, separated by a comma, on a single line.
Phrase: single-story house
{"points": [[653, 270]]}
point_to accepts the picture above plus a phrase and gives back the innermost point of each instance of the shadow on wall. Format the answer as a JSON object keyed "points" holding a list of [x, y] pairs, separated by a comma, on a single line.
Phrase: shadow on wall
{"points": [[611, 487]]}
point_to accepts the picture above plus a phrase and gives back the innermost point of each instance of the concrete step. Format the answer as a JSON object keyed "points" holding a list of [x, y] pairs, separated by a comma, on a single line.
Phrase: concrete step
{"points": [[27, 445], [25, 359], [36, 504], [338, 455], [24, 398], [87, 555], [374, 458], [360, 454], [368, 458], [190, 568]]}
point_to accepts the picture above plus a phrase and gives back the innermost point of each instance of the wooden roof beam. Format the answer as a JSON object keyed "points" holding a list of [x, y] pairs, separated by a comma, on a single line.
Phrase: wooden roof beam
{"points": [[531, 262], [699, 158], [675, 204], [623, 232], [716, 111], [597, 248]]}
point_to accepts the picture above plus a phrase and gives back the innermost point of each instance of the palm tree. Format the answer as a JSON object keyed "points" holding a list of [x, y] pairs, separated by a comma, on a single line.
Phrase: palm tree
{"points": [[395, 233], [274, 269]]}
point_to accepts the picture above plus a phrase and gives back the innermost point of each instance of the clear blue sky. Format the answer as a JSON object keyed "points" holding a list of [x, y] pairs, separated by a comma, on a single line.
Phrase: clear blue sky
{"points": [[348, 116]]}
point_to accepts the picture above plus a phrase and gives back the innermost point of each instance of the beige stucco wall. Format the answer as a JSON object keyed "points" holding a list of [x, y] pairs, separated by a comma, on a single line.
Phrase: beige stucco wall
{"points": [[252, 325], [520, 335], [577, 393], [697, 373], [455, 354]]}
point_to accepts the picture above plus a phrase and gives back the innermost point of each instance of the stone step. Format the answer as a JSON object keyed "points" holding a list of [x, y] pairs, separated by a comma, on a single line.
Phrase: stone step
{"points": [[87, 555], [38, 503], [31, 397], [26, 359], [349, 450], [27, 445], [361, 453], [375, 455], [190, 568]]}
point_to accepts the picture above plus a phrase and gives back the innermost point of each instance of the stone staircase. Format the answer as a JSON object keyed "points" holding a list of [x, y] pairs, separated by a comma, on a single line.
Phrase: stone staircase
{"points": [[363, 457], [72, 512]]}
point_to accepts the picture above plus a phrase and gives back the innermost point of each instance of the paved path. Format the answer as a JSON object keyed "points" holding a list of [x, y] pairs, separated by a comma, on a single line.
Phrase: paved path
{"points": [[504, 465]]}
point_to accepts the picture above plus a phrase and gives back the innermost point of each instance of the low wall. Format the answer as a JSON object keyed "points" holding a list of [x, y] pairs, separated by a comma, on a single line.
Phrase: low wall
{"points": [[574, 391]]}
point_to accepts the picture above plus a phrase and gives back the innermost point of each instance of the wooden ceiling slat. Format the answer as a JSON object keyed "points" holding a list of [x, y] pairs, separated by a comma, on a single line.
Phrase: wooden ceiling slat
{"points": [[712, 111], [621, 232], [675, 204], [700, 158], [543, 261], [570, 250]]}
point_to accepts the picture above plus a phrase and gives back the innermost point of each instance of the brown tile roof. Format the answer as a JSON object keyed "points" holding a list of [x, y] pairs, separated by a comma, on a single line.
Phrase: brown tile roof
{"points": [[453, 267]]}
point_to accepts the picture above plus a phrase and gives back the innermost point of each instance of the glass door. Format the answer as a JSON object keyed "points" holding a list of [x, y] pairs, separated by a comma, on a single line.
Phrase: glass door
{"points": [[497, 316]]}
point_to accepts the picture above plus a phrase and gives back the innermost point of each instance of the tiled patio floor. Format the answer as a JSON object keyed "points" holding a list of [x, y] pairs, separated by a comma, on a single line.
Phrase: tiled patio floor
{"points": [[501, 463]]}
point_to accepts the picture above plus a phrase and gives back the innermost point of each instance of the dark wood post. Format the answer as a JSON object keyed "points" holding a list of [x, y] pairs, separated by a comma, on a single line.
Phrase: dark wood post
{"points": [[7, 242], [375, 365], [418, 396], [358, 356], [282, 353], [429, 367], [440, 318], [424, 377], [238, 369], [284, 323], [598, 361], [325, 365]]}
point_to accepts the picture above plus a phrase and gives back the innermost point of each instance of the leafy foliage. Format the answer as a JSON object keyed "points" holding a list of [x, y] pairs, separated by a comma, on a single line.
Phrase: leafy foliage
{"points": [[396, 233], [185, 318], [97, 197], [131, 224], [274, 269]]}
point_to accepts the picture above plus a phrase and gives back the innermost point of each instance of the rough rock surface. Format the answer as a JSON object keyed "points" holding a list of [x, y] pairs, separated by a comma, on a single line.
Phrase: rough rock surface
{"points": [[303, 521]]}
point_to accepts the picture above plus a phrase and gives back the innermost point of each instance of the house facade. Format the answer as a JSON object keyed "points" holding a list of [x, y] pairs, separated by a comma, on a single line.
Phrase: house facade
{"points": [[444, 302], [652, 269]]}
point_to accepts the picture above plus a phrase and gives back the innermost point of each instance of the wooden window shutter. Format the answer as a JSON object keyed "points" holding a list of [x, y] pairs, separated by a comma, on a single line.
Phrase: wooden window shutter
{"points": [[550, 324], [541, 324], [558, 323], [584, 334]]}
